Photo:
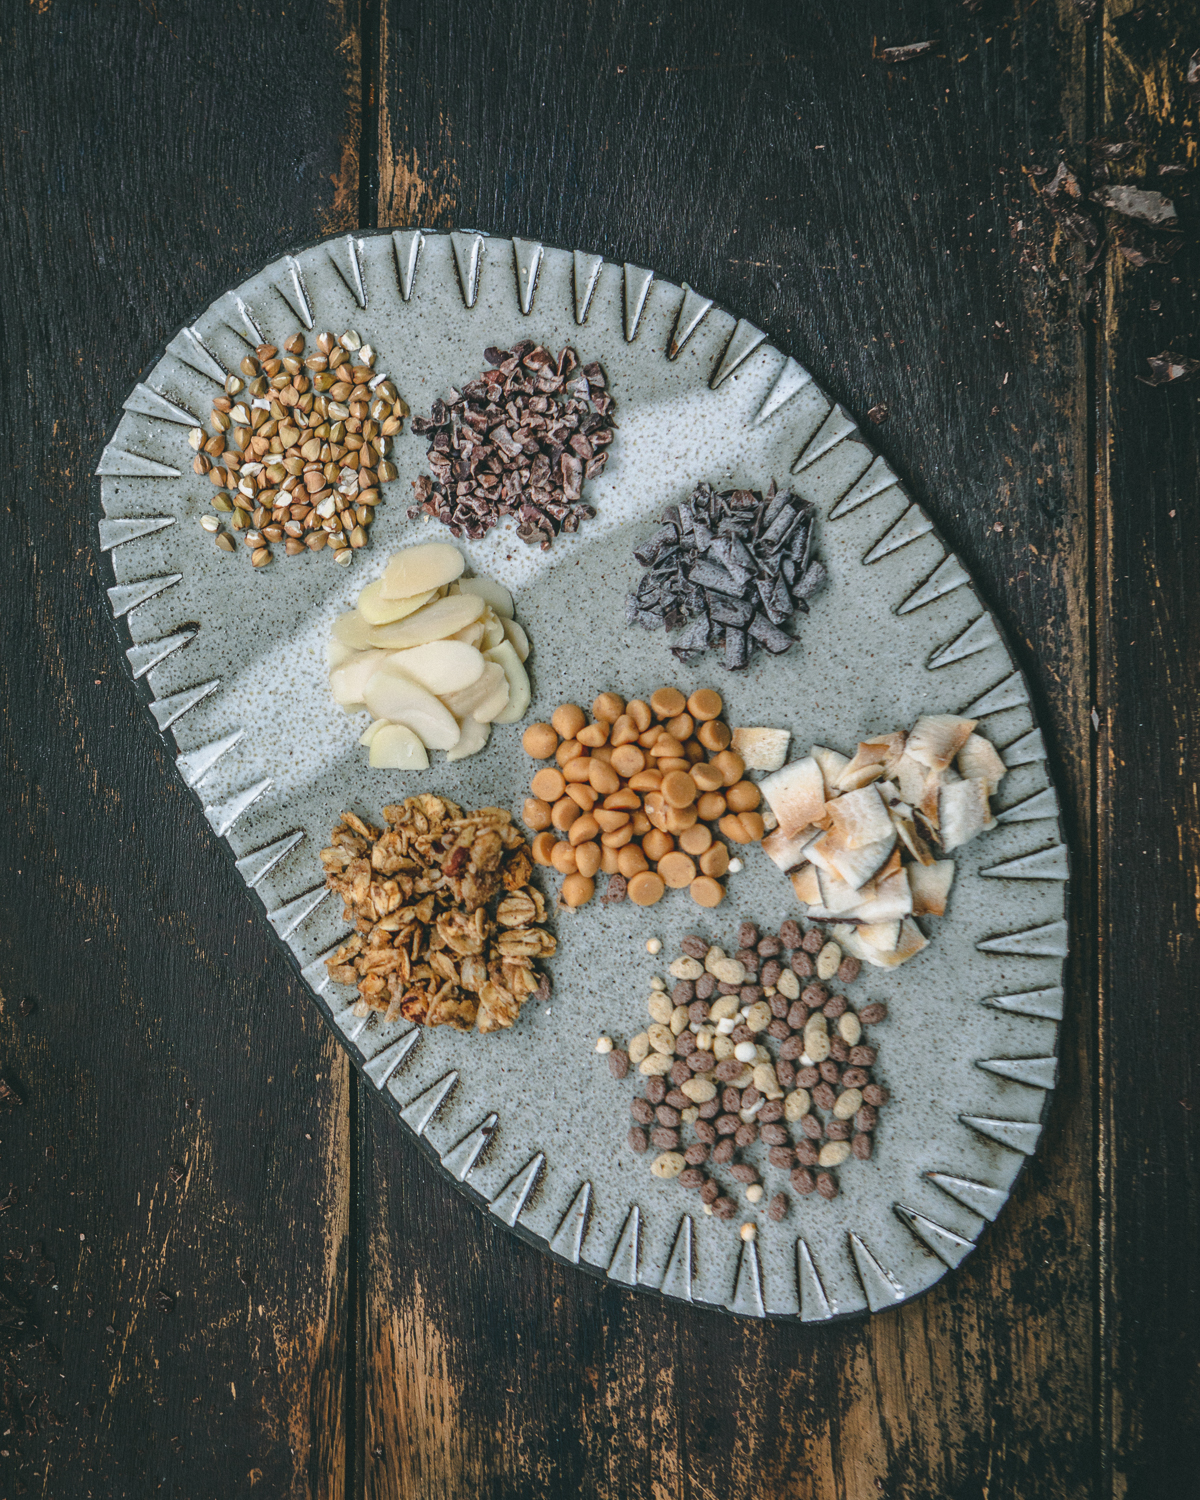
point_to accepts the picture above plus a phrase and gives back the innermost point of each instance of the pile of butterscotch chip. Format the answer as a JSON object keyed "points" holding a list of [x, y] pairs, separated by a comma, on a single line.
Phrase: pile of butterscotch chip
{"points": [[636, 793]]}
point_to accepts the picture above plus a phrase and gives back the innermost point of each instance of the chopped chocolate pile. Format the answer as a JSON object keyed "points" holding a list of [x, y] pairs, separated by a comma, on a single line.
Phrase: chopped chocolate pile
{"points": [[729, 571], [521, 441]]}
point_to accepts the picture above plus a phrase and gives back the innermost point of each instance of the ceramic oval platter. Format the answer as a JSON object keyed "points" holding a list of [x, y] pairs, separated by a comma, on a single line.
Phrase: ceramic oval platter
{"points": [[529, 1121]]}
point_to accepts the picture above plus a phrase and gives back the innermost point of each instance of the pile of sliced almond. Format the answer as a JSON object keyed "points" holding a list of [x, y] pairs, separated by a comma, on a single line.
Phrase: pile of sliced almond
{"points": [[864, 840], [435, 658]]}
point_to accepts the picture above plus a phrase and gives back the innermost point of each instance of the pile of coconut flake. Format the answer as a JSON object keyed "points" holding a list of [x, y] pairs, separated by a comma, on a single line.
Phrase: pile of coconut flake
{"points": [[864, 840]]}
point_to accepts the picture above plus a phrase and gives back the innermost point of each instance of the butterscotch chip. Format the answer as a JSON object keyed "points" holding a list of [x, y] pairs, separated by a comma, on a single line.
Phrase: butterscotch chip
{"points": [[705, 703], [542, 847], [707, 776], [667, 745], [743, 796], [585, 827], [670, 763], [602, 777], [645, 781], [705, 891], [657, 844], [646, 888], [549, 785], [582, 795], [714, 735], [568, 719], [609, 818], [603, 752], [536, 814], [679, 789], [734, 829], [628, 760], [563, 859], [568, 750], [695, 840], [682, 726], [623, 732], [608, 860], [564, 813], [540, 741], [587, 859], [753, 823], [731, 766], [679, 818], [677, 870], [715, 860], [711, 806], [624, 800], [667, 702], [641, 824], [617, 838], [577, 890], [593, 735], [631, 861], [608, 707], [578, 769], [640, 713]]}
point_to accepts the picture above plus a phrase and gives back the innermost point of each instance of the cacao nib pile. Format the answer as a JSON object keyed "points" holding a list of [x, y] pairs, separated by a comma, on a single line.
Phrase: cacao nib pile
{"points": [[521, 441], [728, 571]]}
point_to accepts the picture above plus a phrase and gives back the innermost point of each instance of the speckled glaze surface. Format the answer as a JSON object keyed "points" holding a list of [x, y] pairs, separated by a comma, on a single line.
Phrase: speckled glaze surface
{"points": [[529, 1122]]}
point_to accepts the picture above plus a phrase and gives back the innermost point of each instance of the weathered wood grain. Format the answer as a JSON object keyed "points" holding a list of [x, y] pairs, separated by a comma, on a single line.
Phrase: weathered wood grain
{"points": [[1148, 751], [867, 218], [151, 156]]}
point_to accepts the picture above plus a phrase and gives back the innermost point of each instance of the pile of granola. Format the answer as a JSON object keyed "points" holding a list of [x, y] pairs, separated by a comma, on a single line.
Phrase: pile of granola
{"points": [[445, 916]]}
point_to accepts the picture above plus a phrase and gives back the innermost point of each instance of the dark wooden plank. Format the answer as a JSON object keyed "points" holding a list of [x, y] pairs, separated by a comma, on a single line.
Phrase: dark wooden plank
{"points": [[876, 222], [151, 156], [1148, 692]]}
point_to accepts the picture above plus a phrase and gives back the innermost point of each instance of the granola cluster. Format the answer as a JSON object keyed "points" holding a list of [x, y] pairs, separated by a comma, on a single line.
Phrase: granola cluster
{"points": [[445, 916]]}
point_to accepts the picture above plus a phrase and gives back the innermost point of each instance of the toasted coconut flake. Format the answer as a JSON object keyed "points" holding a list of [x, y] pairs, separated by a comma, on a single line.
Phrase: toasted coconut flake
{"points": [[837, 896], [931, 887], [832, 765], [857, 866], [882, 936], [893, 900], [979, 760], [806, 885], [963, 812], [910, 777], [882, 751], [785, 852], [762, 749], [894, 863], [860, 817], [935, 739], [796, 795], [909, 944], [930, 804], [851, 781]]}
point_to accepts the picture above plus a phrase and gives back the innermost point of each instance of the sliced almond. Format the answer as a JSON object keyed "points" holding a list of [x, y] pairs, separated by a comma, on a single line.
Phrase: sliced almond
{"points": [[472, 738], [377, 610], [392, 695], [796, 795], [394, 747], [470, 635], [492, 592], [931, 887], [516, 634], [435, 622], [418, 569], [761, 749], [336, 653], [353, 631], [348, 682], [371, 731], [935, 739], [493, 629], [519, 693], [483, 699], [440, 667]]}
